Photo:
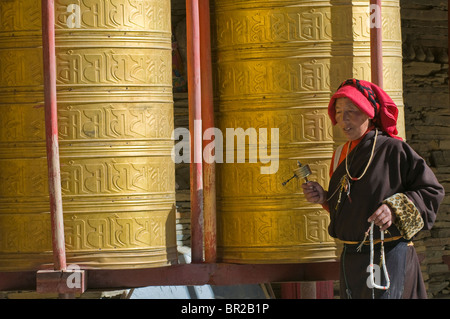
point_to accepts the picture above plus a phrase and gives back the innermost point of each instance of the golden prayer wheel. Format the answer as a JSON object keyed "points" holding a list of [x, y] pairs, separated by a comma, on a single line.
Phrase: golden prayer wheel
{"points": [[276, 65], [353, 59], [115, 117]]}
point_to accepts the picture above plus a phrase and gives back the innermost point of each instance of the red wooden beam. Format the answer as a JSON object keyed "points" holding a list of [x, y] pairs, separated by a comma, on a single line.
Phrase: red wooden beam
{"points": [[213, 274], [188, 275], [23, 280]]}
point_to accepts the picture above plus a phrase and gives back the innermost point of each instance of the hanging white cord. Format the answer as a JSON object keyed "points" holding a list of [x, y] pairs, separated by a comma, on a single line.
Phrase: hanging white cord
{"points": [[383, 261]]}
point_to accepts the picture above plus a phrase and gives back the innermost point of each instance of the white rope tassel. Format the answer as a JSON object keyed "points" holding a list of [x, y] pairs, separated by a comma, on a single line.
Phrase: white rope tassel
{"points": [[372, 281]]}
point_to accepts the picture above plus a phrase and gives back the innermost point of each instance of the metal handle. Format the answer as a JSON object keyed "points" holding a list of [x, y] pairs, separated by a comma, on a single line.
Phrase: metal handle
{"points": [[303, 171]]}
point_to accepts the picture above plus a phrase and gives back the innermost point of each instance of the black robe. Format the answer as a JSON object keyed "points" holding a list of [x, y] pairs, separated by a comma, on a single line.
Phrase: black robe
{"points": [[395, 168]]}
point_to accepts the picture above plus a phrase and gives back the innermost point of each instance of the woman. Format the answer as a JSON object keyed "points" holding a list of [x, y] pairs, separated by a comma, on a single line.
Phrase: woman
{"points": [[376, 178]]}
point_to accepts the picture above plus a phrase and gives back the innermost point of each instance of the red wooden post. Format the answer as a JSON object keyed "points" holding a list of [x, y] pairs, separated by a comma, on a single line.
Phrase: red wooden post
{"points": [[376, 46], [55, 280], [307, 290], [51, 131], [324, 289], [290, 290], [195, 128], [209, 169]]}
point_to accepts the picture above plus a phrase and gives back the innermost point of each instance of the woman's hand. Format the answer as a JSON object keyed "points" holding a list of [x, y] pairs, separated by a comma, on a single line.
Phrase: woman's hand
{"points": [[314, 193], [382, 217]]}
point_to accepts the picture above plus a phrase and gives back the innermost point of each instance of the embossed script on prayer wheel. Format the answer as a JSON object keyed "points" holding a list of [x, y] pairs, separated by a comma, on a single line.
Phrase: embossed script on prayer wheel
{"points": [[115, 117], [273, 72], [276, 64], [351, 42]]}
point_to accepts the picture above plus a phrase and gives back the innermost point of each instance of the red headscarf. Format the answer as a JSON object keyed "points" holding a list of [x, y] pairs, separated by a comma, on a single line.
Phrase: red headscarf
{"points": [[370, 99]]}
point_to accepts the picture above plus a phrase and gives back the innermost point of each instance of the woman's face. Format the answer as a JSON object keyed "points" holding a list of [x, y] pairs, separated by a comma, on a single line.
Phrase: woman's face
{"points": [[353, 122]]}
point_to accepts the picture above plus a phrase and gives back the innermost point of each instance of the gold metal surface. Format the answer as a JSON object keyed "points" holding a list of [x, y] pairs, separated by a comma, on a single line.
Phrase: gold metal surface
{"points": [[115, 114], [276, 65]]}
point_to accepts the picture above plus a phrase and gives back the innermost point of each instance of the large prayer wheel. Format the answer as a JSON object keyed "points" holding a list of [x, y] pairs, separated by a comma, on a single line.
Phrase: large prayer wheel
{"points": [[351, 50], [276, 65], [115, 114]]}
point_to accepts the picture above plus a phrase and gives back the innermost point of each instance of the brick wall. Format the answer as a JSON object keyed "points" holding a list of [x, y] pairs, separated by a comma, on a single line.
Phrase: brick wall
{"points": [[427, 118]]}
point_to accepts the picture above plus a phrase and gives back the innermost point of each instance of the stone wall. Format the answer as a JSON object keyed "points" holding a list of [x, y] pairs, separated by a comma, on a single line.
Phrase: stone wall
{"points": [[427, 118]]}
